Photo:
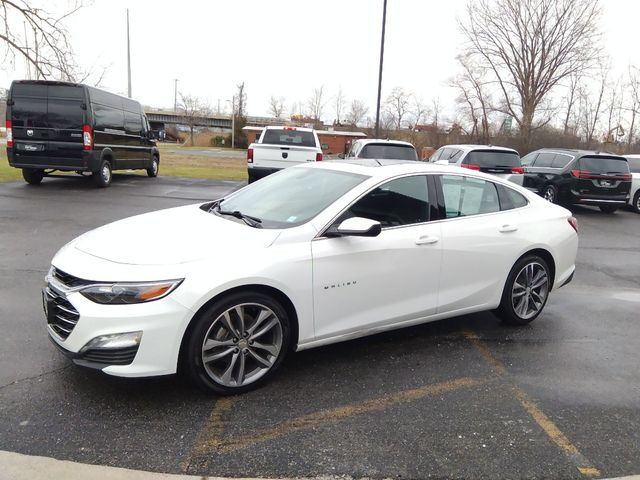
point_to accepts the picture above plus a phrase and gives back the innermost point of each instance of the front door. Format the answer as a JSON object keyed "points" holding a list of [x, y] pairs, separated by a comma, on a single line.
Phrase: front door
{"points": [[364, 283]]}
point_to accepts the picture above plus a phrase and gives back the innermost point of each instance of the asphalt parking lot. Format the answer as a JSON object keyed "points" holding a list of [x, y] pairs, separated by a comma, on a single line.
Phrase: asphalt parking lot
{"points": [[461, 398]]}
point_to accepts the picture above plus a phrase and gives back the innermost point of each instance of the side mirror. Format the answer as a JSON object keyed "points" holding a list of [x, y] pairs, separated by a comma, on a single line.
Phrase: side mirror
{"points": [[341, 155], [356, 227]]}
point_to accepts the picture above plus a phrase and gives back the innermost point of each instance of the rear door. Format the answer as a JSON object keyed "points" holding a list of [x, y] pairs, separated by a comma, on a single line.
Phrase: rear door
{"points": [[602, 176], [539, 173]]}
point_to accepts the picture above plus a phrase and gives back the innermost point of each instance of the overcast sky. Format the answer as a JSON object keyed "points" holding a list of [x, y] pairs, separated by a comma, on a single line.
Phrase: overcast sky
{"points": [[288, 47]]}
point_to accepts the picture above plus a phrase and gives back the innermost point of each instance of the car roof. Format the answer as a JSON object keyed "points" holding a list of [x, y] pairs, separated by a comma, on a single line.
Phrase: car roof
{"points": [[576, 153], [470, 147], [288, 127], [367, 141]]}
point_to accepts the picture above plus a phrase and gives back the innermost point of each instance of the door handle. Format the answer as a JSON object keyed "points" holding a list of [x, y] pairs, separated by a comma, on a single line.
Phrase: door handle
{"points": [[506, 228], [426, 240]]}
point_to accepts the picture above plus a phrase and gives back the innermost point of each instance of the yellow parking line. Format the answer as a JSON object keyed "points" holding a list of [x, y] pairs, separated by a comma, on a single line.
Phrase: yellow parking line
{"points": [[214, 443], [583, 465]]}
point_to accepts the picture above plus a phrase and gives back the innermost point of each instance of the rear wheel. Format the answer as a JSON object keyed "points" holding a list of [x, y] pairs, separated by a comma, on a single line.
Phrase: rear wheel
{"points": [[238, 343], [550, 194], [636, 202], [152, 171], [526, 291], [102, 178], [608, 208], [33, 176]]}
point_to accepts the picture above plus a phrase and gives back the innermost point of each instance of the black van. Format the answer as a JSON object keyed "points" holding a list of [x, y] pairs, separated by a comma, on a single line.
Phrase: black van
{"points": [[73, 127], [578, 176]]}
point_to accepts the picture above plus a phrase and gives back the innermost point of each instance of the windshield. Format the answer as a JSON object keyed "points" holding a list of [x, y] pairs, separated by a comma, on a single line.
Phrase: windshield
{"points": [[604, 165], [493, 158], [292, 196], [289, 137], [386, 151]]}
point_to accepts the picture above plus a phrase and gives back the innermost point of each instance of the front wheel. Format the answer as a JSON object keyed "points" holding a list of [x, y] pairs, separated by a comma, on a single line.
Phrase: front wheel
{"points": [[636, 202], [152, 171], [608, 208], [238, 343], [33, 176], [526, 291]]}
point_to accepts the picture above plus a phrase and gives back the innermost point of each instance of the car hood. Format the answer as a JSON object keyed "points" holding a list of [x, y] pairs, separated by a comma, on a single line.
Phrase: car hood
{"points": [[173, 236]]}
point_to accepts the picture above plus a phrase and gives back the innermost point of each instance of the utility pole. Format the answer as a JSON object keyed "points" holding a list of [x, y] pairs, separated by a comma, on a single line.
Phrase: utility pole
{"points": [[175, 95], [129, 57], [384, 21], [233, 122]]}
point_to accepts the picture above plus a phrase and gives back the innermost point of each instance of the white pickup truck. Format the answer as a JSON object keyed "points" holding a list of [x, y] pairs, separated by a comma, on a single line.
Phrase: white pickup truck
{"points": [[281, 147]]}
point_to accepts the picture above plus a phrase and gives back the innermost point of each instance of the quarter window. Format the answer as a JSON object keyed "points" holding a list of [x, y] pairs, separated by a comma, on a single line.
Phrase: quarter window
{"points": [[544, 160], [509, 198], [464, 196], [561, 160], [403, 201]]}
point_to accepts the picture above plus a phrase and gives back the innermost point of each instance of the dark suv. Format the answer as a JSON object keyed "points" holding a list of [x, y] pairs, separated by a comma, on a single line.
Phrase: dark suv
{"points": [[578, 177]]}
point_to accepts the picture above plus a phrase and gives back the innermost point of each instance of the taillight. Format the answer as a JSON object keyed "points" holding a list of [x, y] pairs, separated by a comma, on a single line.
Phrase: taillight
{"points": [[573, 221], [580, 174], [250, 155], [9, 134], [318, 157], [87, 137], [626, 177], [291, 129], [517, 170], [471, 167]]}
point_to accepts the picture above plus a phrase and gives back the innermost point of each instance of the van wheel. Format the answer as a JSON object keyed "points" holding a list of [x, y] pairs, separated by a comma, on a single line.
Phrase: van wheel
{"points": [[152, 171], [32, 176], [526, 291], [102, 178], [608, 208]]}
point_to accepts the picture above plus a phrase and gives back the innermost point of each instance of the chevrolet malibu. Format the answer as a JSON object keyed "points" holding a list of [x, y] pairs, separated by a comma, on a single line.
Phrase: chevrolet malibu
{"points": [[312, 255]]}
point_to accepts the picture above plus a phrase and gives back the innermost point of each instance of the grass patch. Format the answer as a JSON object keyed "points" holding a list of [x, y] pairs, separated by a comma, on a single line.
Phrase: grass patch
{"points": [[171, 164]]}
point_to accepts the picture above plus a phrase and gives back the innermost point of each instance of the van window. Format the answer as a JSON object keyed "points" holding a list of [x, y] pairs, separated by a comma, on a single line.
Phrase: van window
{"points": [[29, 112], [544, 160], [132, 123], [105, 98], [65, 114], [108, 117], [47, 106]]}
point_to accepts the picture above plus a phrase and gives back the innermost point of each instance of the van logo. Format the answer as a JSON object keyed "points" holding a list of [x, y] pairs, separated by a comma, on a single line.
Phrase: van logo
{"points": [[30, 133]]}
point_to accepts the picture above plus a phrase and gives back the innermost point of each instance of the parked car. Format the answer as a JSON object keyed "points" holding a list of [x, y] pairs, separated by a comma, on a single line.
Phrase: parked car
{"points": [[501, 161], [578, 177], [61, 126], [634, 193], [312, 255], [381, 149], [281, 147]]}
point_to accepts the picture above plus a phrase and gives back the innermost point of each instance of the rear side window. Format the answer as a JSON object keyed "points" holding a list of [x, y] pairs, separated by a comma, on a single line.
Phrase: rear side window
{"points": [[394, 152], [108, 118], [465, 196], [561, 160], [634, 164], [509, 198], [289, 137], [492, 158], [132, 123], [607, 165], [544, 160]]}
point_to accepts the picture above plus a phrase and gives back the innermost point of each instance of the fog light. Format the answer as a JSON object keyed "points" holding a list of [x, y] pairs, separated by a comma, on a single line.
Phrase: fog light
{"points": [[116, 340]]}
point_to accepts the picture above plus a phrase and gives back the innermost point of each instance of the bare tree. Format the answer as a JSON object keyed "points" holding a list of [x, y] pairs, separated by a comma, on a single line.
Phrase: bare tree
{"points": [[40, 38], [591, 104], [435, 112], [357, 112], [397, 106], [192, 109], [339, 102], [419, 111], [471, 85], [574, 81], [634, 106], [276, 106], [241, 101], [531, 46], [315, 103]]}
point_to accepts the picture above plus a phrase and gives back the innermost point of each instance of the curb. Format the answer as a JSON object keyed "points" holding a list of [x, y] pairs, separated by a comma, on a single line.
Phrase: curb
{"points": [[16, 466]]}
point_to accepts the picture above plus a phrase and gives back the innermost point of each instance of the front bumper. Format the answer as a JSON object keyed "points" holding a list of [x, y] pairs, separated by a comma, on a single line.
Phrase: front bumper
{"points": [[162, 323]]}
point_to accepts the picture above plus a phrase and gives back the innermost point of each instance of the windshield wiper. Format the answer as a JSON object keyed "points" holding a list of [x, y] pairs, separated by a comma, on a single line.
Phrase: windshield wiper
{"points": [[248, 219]]}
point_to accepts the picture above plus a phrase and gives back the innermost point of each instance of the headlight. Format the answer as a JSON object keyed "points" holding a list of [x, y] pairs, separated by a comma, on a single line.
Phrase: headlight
{"points": [[128, 293]]}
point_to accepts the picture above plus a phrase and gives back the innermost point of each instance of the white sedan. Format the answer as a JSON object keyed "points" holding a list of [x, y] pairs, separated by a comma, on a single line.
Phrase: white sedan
{"points": [[312, 255]]}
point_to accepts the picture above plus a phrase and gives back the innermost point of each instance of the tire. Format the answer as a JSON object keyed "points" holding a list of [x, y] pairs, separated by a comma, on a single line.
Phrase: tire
{"points": [[608, 208], [235, 349], [519, 288], [636, 202], [550, 194], [33, 176], [152, 171], [251, 178], [102, 178]]}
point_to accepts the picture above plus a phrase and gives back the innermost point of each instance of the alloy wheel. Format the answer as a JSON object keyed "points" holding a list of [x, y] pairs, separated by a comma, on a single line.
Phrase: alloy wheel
{"points": [[106, 173], [242, 344], [530, 290], [550, 194]]}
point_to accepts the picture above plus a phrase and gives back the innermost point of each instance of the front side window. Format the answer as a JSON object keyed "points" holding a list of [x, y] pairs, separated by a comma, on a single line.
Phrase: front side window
{"points": [[292, 196], [465, 196], [403, 201]]}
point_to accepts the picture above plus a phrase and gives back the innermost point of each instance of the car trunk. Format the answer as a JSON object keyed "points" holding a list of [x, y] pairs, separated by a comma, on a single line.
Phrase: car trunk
{"points": [[47, 122], [494, 161], [596, 176]]}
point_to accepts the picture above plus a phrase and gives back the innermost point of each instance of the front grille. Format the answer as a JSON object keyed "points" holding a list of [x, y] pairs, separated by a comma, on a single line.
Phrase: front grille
{"points": [[110, 356], [69, 280], [61, 315]]}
